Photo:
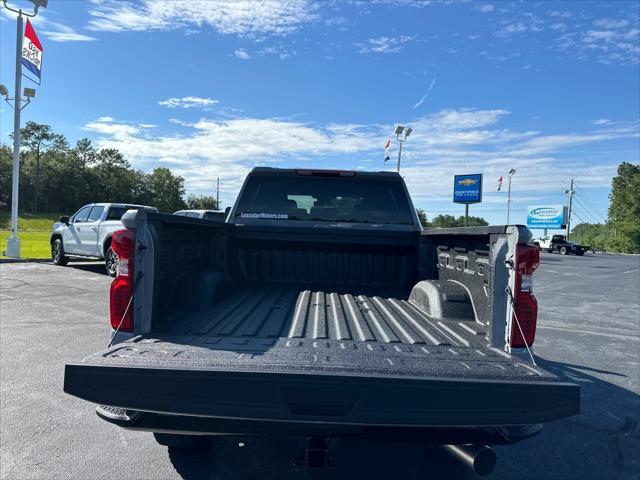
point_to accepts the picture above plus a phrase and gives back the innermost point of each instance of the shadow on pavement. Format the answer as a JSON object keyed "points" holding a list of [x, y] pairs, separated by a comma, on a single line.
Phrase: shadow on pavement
{"points": [[93, 267], [602, 442]]}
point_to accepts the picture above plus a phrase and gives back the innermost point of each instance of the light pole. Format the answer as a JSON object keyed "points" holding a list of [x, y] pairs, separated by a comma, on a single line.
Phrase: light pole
{"points": [[13, 242], [401, 135], [511, 172]]}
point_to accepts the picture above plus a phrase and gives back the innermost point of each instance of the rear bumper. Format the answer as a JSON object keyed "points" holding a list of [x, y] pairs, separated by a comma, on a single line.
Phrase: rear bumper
{"points": [[189, 425], [343, 400]]}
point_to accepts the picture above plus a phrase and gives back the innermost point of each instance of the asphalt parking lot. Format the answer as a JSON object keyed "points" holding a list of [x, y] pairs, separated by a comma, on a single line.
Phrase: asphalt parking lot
{"points": [[589, 333]]}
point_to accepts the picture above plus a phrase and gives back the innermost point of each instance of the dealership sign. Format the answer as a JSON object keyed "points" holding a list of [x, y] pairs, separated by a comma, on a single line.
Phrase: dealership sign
{"points": [[546, 216], [467, 188]]}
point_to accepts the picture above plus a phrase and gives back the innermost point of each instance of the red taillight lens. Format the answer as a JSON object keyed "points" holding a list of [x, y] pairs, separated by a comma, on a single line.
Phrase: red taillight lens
{"points": [[121, 301], [526, 305]]}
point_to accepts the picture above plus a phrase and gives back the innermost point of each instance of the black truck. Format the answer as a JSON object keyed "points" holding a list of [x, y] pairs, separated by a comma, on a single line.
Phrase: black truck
{"points": [[321, 309]]}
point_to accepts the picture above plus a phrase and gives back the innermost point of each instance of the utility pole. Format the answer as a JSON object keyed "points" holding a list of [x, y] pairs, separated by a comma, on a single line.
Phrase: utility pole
{"points": [[569, 193], [399, 153]]}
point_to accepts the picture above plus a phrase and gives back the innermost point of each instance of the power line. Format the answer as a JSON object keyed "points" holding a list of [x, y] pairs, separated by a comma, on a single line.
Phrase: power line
{"points": [[590, 215]]}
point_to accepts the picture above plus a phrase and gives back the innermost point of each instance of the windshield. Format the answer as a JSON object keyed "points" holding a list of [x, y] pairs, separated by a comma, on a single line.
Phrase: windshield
{"points": [[322, 199]]}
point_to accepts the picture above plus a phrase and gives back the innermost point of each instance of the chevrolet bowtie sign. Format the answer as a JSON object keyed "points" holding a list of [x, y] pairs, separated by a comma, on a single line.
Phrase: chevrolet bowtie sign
{"points": [[467, 188]]}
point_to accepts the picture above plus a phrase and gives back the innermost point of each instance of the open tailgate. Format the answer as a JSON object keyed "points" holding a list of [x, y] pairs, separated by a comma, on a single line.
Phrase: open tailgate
{"points": [[329, 381]]}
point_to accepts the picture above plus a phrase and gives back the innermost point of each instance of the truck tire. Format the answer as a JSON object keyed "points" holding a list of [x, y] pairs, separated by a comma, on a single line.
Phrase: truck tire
{"points": [[180, 442], [564, 250], [111, 262], [57, 253]]}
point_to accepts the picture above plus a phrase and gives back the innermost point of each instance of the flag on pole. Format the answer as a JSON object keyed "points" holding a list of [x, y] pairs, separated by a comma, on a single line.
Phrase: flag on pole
{"points": [[32, 51], [500, 183], [386, 151]]}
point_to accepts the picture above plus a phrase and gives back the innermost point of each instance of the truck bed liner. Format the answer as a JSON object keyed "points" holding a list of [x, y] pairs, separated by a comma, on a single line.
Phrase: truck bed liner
{"points": [[285, 354], [273, 311]]}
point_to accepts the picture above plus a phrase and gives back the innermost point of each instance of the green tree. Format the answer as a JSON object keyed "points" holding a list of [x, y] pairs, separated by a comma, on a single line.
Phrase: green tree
{"points": [[166, 190], [422, 216], [39, 138], [624, 210], [202, 202], [590, 234], [473, 221], [6, 163], [447, 221]]}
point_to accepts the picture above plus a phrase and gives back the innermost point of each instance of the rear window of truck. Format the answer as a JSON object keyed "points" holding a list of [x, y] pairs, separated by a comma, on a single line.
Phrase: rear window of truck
{"points": [[321, 199]]}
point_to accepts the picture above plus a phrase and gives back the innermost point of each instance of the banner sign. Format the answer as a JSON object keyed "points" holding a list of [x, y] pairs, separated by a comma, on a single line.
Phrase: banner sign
{"points": [[32, 51], [467, 188], [546, 216]]}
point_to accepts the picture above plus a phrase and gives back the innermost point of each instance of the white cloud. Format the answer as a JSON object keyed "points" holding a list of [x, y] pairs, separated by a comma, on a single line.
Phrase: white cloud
{"points": [[242, 54], [237, 17], [610, 23], [441, 144], [424, 97], [54, 31], [515, 28], [57, 32], [486, 8], [385, 44], [601, 121], [610, 41], [187, 102]]}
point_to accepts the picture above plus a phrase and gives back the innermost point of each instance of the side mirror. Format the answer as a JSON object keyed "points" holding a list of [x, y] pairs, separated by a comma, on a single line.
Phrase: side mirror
{"points": [[64, 220], [226, 212]]}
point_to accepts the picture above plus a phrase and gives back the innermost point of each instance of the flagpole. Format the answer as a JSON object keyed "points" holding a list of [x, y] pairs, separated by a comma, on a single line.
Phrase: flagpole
{"points": [[13, 242]]}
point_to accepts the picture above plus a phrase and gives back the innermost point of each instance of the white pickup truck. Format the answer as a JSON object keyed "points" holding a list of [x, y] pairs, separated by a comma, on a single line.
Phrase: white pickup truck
{"points": [[88, 233]]}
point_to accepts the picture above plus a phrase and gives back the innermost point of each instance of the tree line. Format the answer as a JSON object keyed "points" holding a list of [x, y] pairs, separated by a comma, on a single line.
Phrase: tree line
{"points": [[58, 178], [447, 221], [621, 231]]}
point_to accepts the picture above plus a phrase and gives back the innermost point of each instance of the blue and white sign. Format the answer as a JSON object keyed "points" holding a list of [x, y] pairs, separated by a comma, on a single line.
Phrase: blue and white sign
{"points": [[467, 188], [546, 216]]}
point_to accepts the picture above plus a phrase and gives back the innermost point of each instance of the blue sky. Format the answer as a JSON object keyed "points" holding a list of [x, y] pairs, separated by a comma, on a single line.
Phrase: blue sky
{"points": [[215, 87]]}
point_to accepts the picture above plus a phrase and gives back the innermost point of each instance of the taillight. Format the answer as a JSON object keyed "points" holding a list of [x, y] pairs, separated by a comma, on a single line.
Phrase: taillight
{"points": [[526, 305], [121, 300]]}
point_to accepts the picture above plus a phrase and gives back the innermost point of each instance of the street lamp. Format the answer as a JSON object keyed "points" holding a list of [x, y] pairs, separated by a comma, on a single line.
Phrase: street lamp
{"points": [[13, 242], [510, 173], [402, 133]]}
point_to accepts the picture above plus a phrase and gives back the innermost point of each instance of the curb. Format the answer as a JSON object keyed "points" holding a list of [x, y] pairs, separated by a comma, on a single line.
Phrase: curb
{"points": [[24, 260]]}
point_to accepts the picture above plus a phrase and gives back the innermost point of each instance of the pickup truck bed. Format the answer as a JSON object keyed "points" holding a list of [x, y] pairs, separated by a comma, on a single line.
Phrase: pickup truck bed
{"points": [[283, 353]]}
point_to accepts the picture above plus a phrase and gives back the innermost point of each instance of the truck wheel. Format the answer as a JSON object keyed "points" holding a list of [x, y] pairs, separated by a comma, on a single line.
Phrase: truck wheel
{"points": [[111, 262], [57, 253], [564, 250], [180, 442]]}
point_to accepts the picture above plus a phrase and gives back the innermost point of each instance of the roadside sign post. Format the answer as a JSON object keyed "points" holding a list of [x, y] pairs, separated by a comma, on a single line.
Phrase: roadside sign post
{"points": [[467, 189], [13, 242]]}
